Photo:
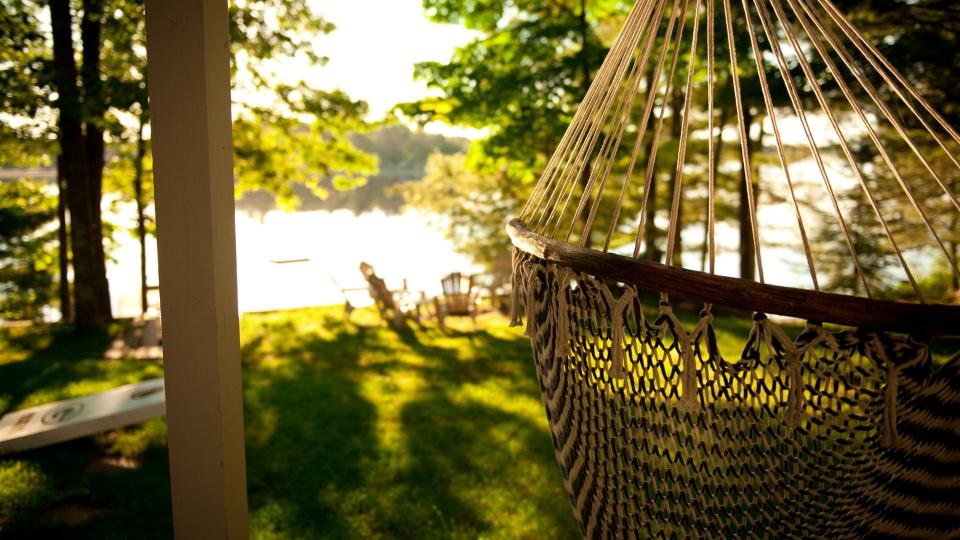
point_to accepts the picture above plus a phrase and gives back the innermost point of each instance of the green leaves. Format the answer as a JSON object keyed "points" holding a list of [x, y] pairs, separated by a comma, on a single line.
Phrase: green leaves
{"points": [[27, 253], [270, 29], [521, 80], [302, 138], [287, 134], [306, 128], [474, 205], [475, 14], [276, 153], [24, 70]]}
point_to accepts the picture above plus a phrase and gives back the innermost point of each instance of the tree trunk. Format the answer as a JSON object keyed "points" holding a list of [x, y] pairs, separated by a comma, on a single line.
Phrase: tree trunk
{"points": [[94, 104], [584, 46], [585, 74], [90, 283], [650, 234], [717, 152], [748, 252], [63, 246], [584, 184], [651, 252], [141, 218], [954, 252], [955, 246], [675, 127]]}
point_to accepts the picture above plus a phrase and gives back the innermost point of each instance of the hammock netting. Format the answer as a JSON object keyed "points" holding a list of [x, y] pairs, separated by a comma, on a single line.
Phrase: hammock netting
{"points": [[828, 435], [837, 423]]}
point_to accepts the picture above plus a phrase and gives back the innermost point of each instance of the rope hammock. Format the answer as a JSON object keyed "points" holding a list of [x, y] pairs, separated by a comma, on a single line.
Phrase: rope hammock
{"points": [[840, 428]]}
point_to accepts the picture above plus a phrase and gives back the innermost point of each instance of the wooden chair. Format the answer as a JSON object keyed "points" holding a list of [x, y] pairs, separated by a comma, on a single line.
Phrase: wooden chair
{"points": [[347, 292], [394, 306], [459, 297]]}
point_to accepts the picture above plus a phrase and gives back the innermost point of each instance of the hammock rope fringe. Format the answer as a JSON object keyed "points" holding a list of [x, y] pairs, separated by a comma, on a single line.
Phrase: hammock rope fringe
{"points": [[850, 429], [658, 434]]}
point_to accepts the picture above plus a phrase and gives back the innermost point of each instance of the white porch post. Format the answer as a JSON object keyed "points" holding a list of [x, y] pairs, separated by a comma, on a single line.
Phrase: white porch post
{"points": [[188, 67]]}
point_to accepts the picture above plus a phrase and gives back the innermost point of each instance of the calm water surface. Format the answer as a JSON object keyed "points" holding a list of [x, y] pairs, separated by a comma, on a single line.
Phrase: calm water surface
{"points": [[290, 260]]}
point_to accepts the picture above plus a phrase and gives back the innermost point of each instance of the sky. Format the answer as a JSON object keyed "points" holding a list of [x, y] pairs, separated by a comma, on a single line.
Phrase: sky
{"points": [[374, 48]]}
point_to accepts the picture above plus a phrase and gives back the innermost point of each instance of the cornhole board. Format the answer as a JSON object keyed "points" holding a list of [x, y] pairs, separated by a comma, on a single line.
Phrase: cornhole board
{"points": [[81, 417]]}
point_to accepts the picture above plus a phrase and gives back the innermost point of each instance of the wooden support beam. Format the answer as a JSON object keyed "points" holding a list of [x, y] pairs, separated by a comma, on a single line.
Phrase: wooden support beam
{"points": [[189, 74]]}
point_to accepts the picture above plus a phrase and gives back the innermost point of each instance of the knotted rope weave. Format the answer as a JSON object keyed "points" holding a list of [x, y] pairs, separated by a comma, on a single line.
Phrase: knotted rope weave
{"points": [[831, 435], [843, 428]]}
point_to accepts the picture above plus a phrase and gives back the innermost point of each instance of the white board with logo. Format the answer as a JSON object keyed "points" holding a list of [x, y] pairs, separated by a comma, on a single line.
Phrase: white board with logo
{"points": [[81, 417]]}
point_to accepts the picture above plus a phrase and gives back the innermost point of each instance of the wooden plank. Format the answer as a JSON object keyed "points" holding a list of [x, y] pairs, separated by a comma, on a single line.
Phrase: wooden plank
{"points": [[189, 73], [919, 320], [81, 417]]}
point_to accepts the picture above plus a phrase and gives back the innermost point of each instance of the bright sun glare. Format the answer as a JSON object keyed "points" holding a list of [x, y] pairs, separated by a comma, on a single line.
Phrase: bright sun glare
{"points": [[374, 48]]}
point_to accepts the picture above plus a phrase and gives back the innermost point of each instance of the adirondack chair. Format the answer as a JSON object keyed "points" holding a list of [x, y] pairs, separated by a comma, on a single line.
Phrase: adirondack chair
{"points": [[394, 306], [460, 297], [347, 292]]}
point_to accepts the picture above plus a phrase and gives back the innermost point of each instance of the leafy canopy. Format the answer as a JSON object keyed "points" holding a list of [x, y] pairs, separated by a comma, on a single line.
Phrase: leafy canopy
{"points": [[304, 129], [28, 256], [521, 79], [285, 131]]}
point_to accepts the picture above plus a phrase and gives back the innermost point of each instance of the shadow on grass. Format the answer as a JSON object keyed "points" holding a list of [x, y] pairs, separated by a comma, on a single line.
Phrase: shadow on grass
{"points": [[41, 357], [310, 434], [353, 431], [63, 491], [477, 470], [475, 464], [356, 430]]}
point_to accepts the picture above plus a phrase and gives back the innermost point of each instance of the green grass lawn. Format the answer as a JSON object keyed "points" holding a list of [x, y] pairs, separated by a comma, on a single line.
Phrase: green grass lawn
{"points": [[353, 431]]}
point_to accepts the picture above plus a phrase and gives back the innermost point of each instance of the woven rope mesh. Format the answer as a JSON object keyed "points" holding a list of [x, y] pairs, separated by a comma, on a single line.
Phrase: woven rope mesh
{"points": [[822, 435], [809, 432]]}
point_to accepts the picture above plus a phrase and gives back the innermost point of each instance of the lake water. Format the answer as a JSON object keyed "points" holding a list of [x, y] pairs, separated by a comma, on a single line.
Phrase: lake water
{"points": [[291, 260], [297, 259]]}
